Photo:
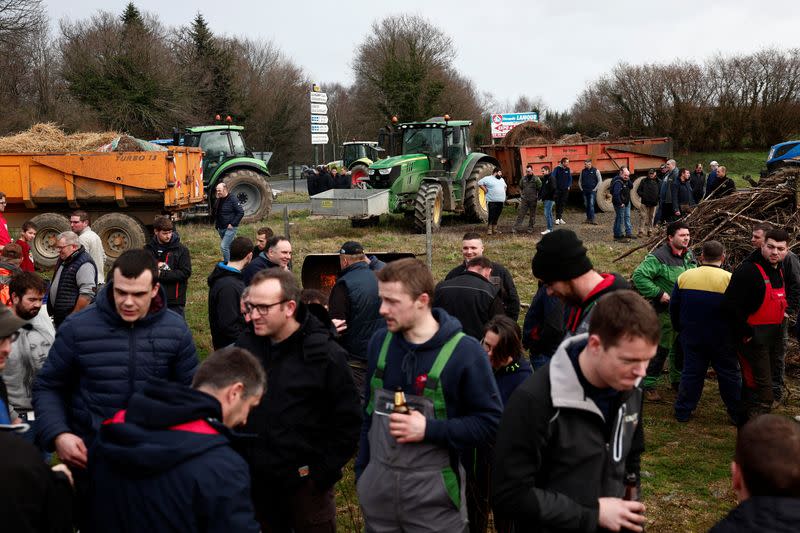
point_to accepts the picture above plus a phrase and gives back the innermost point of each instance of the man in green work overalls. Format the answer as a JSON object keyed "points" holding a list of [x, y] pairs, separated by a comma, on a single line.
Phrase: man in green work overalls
{"points": [[409, 474]]}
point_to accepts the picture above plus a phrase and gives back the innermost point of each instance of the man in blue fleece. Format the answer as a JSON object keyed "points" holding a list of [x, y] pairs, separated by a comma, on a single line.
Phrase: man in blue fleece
{"points": [[409, 473]]}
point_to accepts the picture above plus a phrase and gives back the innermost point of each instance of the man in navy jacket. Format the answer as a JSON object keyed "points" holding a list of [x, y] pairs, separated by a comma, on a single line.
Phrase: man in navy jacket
{"points": [[166, 462], [227, 216], [105, 353]]}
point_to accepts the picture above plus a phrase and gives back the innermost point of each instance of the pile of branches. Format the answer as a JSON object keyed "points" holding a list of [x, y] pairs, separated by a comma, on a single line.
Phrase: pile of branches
{"points": [[730, 219]]}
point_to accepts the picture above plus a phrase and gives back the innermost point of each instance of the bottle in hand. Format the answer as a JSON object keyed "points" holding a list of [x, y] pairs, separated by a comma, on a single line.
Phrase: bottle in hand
{"points": [[400, 405]]}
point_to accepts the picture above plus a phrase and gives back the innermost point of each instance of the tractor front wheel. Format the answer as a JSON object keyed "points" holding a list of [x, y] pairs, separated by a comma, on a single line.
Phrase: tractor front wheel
{"points": [[429, 200], [475, 205]]}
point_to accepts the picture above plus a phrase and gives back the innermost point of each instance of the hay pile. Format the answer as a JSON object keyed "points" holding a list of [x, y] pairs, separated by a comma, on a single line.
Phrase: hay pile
{"points": [[528, 133], [729, 220], [47, 137]]}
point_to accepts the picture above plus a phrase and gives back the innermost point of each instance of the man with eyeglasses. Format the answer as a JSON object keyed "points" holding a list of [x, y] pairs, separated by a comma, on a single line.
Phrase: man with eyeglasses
{"points": [[308, 422], [225, 288], [75, 280], [5, 237]]}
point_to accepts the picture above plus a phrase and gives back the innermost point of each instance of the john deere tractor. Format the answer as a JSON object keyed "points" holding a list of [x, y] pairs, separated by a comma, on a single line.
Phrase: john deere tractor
{"points": [[357, 156], [226, 157], [436, 172]]}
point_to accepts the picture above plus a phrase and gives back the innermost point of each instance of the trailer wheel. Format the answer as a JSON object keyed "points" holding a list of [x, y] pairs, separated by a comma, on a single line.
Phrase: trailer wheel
{"points": [[119, 233], [44, 249], [429, 194], [475, 205], [253, 192], [604, 202], [636, 200]]}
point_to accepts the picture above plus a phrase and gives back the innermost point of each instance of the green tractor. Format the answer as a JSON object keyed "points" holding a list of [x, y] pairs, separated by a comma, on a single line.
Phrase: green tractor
{"points": [[357, 156], [227, 158], [436, 172]]}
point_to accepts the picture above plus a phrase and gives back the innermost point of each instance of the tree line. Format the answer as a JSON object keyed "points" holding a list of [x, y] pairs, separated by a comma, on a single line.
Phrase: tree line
{"points": [[129, 72]]}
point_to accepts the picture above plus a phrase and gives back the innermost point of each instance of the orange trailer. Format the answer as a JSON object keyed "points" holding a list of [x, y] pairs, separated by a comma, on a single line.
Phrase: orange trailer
{"points": [[639, 155], [122, 191]]}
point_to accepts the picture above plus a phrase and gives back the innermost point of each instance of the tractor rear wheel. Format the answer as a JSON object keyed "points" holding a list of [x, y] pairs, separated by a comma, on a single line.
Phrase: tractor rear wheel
{"points": [[252, 191], [119, 233], [43, 247], [430, 197], [475, 205]]}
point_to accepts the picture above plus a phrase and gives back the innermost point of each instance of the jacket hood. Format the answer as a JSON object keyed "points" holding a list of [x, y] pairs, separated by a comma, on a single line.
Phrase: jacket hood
{"points": [[105, 304], [221, 270], [165, 424], [565, 386]]}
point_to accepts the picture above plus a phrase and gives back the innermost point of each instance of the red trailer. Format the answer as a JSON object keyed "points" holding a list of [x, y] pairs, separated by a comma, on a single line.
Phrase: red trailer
{"points": [[639, 155]]}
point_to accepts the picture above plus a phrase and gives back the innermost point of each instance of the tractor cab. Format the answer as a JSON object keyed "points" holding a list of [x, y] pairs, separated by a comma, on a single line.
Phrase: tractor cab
{"points": [[445, 143], [221, 144], [355, 150]]}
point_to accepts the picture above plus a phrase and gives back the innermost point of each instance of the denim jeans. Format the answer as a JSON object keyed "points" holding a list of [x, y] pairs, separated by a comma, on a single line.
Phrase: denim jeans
{"points": [[588, 203], [227, 236], [548, 213], [623, 218]]}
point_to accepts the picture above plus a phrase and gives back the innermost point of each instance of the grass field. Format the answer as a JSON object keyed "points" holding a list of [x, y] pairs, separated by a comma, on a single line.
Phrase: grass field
{"points": [[686, 466]]}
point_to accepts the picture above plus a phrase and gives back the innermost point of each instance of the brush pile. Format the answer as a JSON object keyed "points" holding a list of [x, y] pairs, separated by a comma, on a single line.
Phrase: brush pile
{"points": [[729, 220]]}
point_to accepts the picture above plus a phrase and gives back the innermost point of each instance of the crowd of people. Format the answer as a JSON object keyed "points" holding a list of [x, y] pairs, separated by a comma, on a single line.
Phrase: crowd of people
{"points": [[424, 385], [664, 195]]}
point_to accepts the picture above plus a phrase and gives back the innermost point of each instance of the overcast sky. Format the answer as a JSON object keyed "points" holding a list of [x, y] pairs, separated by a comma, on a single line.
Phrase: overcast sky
{"points": [[548, 49]]}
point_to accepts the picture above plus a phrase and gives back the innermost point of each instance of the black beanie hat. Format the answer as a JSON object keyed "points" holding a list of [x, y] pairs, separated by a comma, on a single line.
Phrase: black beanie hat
{"points": [[560, 256]]}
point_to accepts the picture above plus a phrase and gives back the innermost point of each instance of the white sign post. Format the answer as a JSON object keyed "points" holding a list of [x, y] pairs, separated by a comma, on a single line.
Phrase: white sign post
{"points": [[319, 119], [502, 123]]}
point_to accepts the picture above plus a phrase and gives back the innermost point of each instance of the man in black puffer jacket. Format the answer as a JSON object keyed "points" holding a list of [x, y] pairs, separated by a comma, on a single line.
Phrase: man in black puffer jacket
{"points": [[105, 353], [174, 262], [766, 477], [166, 462], [308, 424]]}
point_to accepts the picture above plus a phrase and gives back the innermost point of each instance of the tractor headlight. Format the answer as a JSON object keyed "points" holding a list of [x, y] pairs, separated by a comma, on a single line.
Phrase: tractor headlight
{"points": [[385, 171], [372, 172]]}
